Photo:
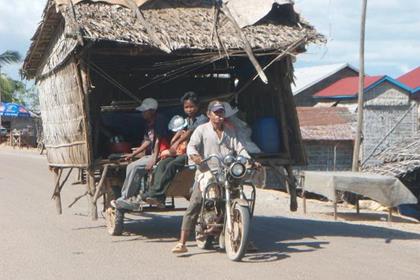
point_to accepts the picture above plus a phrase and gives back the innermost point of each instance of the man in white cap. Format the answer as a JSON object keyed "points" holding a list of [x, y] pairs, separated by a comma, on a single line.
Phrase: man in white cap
{"points": [[209, 138], [156, 128]]}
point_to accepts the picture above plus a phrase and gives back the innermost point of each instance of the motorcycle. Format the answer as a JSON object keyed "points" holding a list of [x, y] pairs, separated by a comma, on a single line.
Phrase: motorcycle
{"points": [[227, 206]]}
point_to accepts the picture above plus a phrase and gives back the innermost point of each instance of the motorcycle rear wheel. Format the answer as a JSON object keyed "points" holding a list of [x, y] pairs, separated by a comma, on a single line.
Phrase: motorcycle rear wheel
{"points": [[236, 241]]}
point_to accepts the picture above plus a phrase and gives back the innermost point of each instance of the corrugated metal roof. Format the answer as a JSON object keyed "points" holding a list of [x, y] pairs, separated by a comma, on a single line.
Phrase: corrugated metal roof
{"points": [[326, 123], [411, 79], [347, 87], [306, 77]]}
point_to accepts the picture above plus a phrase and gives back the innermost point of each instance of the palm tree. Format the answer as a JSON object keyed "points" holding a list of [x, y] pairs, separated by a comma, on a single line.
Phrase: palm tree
{"points": [[7, 86], [9, 57]]}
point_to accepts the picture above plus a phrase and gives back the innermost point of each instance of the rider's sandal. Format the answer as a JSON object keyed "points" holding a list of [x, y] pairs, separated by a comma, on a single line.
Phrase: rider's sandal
{"points": [[179, 248]]}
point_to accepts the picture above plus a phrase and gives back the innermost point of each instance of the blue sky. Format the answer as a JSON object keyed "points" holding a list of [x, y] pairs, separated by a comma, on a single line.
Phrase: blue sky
{"points": [[392, 32]]}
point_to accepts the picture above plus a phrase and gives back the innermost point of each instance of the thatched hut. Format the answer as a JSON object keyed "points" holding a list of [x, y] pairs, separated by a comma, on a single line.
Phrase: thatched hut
{"points": [[91, 57], [402, 161]]}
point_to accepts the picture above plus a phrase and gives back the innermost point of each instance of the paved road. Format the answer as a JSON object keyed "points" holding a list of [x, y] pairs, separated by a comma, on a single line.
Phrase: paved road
{"points": [[35, 243]]}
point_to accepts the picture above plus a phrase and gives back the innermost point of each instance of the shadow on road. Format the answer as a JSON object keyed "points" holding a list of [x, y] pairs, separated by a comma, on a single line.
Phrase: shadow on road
{"points": [[152, 228], [277, 238]]}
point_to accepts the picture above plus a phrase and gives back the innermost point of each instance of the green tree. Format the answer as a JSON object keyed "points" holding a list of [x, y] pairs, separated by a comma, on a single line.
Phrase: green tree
{"points": [[9, 57], [9, 88]]}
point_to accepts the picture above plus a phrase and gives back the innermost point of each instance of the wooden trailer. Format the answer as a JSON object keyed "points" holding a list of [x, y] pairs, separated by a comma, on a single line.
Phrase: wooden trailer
{"points": [[97, 60]]}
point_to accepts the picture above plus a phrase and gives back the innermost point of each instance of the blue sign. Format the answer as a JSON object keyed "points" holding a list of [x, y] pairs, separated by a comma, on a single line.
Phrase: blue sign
{"points": [[13, 110]]}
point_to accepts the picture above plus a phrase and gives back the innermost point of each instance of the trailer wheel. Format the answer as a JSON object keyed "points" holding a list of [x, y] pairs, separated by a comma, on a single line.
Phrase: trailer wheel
{"points": [[114, 221]]}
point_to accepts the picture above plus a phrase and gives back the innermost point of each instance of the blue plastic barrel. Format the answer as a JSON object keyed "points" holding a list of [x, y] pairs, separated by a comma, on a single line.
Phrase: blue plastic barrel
{"points": [[266, 134]]}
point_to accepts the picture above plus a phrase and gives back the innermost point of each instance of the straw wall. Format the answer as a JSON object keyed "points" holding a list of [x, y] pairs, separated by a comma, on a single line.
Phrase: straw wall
{"points": [[58, 51], [61, 102]]}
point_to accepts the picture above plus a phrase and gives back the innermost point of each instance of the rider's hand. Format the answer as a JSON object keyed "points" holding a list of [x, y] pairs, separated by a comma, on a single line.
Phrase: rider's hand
{"points": [[128, 157], [257, 165], [196, 159]]}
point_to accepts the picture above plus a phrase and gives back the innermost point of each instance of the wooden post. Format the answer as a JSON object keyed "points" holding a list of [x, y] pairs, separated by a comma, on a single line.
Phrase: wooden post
{"points": [[356, 151], [359, 130], [247, 46], [291, 188], [302, 185], [335, 210], [91, 188], [59, 186], [357, 205], [101, 184], [274, 75], [56, 195]]}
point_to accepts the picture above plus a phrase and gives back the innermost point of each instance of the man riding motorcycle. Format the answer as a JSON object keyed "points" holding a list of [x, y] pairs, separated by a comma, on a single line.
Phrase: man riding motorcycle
{"points": [[210, 138]]}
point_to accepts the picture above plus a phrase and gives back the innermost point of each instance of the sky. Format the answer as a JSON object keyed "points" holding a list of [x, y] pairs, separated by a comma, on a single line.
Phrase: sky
{"points": [[392, 33]]}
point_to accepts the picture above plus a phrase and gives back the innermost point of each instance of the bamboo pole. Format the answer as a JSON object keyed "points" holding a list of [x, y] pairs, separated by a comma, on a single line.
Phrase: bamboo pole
{"points": [[100, 185], [56, 195], [247, 46], [91, 189], [356, 151]]}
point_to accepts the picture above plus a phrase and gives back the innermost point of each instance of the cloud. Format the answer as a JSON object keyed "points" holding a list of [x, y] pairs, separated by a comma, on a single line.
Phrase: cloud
{"points": [[20, 18], [392, 34], [18, 22]]}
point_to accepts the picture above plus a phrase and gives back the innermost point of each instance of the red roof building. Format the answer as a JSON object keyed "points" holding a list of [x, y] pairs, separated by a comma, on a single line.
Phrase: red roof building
{"points": [[411, 79], [346, 88]]}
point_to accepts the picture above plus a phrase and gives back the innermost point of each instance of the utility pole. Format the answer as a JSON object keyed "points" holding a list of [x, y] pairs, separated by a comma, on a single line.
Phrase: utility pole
{"points": [[356, 151]]}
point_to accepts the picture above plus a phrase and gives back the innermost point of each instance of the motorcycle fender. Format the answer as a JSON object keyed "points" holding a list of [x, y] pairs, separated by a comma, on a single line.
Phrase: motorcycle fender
{"points": [[241, 202]]}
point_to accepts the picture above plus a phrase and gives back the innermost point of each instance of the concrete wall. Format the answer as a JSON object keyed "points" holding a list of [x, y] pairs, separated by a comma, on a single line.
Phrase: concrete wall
{"points": [[304, 98]]}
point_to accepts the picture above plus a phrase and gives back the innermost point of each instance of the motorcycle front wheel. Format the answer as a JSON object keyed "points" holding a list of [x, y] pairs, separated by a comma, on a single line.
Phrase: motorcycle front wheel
{"points": [[236, 241]]}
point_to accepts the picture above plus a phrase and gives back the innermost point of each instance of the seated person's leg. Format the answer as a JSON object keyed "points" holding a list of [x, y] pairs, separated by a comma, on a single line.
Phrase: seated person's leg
{"points": [[158, 174], [134, 174], [160, 187]]}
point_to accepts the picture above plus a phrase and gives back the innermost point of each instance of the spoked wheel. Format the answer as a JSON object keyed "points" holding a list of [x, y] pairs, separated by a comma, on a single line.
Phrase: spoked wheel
{"points": [[236, 241], [114, 221], [222, 241]]}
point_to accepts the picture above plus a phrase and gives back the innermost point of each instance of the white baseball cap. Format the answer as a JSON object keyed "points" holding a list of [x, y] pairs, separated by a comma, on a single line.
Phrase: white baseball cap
{"points": [[177, 123], [148, 104], [229, 111]]}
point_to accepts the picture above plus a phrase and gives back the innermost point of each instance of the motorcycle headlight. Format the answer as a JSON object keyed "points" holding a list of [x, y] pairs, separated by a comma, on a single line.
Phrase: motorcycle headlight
{"points": [[228, 160], [237, 170], [241, 159]]}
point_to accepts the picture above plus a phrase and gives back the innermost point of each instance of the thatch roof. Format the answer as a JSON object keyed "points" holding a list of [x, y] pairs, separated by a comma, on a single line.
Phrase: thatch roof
{"points": [[398, 160], [181, 28], [326, 124]]}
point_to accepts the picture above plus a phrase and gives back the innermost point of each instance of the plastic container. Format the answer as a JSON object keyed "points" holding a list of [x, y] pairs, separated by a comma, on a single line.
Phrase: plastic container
{"points": [[410, 210], [120, 148], [266, 134]]}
